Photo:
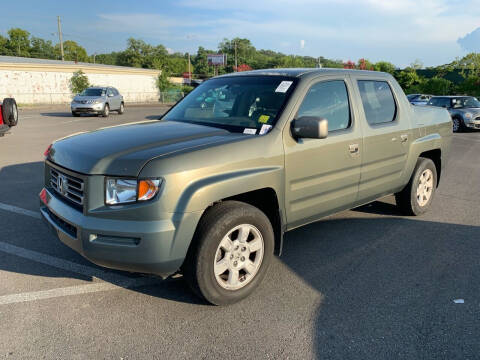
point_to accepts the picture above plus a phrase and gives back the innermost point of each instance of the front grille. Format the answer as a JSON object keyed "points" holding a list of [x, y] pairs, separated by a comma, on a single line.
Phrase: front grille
{"points": [[67, 186]]}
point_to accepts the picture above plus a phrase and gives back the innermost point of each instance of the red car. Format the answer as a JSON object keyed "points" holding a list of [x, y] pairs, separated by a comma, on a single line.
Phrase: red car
{"points": [[8, 115]]}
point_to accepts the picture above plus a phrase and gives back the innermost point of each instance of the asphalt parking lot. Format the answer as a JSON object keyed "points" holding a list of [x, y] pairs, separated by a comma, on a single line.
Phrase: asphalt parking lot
{"points": [[363, 284]]}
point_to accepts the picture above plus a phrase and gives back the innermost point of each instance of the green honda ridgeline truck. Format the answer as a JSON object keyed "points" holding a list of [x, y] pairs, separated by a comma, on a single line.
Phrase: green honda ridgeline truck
{"points": [[211, 188]]}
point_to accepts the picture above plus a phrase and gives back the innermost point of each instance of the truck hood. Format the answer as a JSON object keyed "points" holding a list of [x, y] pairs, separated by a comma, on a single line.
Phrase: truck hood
{"points": [[124, 150]]}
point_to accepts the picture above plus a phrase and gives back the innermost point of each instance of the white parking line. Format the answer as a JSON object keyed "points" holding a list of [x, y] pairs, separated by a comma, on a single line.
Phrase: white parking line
{"points": [[18, 210], [114, 280], [62, 264], [72, 290]]}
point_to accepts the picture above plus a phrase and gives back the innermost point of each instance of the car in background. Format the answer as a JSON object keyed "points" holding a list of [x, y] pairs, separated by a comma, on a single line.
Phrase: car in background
{"points": [[8, 115], [98, 100], [464, 110], [419, 99]]}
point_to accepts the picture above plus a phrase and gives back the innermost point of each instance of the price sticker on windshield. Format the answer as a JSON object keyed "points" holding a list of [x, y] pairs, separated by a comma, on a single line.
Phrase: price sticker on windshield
{"points": [[283, 87]]}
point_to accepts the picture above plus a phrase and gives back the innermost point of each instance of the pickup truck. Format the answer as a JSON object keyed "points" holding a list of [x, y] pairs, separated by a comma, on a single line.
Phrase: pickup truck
{"points": [[211, 188], [8, 115]]}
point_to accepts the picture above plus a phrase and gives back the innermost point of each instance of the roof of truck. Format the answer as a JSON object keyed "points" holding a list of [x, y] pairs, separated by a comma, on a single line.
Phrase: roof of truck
{"points": [[300, 72]]}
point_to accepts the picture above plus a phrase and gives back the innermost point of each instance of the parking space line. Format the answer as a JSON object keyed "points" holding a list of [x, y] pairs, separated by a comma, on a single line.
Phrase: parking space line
{"points": [[18, 210], [73, 290], [62, 264]]}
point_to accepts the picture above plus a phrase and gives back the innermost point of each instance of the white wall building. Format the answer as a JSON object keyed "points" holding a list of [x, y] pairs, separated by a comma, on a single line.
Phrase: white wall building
{"points": [[39, 81]]}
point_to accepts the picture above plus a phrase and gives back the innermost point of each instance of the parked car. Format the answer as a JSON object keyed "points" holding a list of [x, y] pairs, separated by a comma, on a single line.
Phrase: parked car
{"points": [[211, 193], [8, 115], [98, 100], [419, 99], [464, 110]]}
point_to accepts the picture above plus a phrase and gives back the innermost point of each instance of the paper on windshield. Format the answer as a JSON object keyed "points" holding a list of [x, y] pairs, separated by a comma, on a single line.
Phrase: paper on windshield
{"points": [[283, 87]]}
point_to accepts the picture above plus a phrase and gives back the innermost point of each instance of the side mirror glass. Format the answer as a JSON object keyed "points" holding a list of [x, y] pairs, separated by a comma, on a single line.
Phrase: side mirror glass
{"points": [[310, 127]]}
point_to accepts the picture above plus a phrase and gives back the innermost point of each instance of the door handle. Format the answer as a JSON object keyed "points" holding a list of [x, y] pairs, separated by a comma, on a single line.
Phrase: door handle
{"points": [[353, 148], [403, 138]]}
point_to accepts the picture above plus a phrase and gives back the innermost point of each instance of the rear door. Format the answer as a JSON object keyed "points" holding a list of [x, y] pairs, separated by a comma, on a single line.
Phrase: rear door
{"points": [[322, 175], [387, 136]]}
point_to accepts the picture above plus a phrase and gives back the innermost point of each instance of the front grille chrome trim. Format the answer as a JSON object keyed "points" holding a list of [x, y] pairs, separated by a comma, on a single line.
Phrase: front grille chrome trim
{"points": [[72, 187]]}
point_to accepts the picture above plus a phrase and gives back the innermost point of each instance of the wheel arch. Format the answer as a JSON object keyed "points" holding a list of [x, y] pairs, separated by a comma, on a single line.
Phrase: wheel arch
{"points": [[436, 156]]}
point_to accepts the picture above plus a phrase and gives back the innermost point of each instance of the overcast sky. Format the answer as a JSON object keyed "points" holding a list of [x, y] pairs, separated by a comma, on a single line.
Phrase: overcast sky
{"points": [[400, 31]]}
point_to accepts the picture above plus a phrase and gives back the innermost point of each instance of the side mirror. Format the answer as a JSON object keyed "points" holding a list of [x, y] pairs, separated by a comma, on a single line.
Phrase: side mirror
{"points": [[311, 127]]}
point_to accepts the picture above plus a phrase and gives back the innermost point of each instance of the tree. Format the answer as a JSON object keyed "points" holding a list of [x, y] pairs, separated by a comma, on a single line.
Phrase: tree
{"points": [[385, 67], [471, 86], [18, 42], [78, 82], [409, 80], [469, 65], [41, 48], [4, 50], [200, 64], [437, 86], [72, 52], [163, 81]]}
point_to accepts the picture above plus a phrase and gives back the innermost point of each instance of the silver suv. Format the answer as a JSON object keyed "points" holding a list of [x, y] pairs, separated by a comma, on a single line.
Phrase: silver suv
{"points": [[98, 100]]}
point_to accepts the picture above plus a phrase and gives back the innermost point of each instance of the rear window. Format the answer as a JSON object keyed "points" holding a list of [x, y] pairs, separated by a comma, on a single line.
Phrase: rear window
{"points": [[378, 101], [440, 102]]}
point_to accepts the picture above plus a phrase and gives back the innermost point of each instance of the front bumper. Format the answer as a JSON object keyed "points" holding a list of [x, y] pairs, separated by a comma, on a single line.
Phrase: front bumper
{"points": [[473, 124], [87, 108], [156, 247]]}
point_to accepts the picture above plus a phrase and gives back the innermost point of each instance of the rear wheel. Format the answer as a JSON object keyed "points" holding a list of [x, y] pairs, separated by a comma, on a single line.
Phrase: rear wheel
{"points": [[232, 250], [106, 110], [416, 198], [75, 114], [10, 112]]}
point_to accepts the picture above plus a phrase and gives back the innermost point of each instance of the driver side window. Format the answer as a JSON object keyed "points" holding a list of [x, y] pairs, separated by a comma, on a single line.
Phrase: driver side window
{"points": [[329, 100]]}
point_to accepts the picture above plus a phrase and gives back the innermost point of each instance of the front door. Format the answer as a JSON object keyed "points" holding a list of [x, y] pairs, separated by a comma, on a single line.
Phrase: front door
{"points": [[322, 175]]}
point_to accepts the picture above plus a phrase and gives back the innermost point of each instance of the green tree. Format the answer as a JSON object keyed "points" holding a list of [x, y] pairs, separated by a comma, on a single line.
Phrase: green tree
{"points": [[385, 67], [4, 50], [469, 65], [163, 81], [471, 86], [41, 48], [78, 82], [72, 52], [437, 86], [19, 42], [409, 80]]}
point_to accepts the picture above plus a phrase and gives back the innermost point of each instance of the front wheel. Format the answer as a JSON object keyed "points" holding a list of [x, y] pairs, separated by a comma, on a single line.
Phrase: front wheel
{"points": [[106, 110], [232, 250], [416, 198], [121, 110], [456, 125]]}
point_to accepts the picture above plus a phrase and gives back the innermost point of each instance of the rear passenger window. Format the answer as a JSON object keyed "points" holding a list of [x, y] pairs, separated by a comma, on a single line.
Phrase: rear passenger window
{"points": [[378, 102], [328, 99]]}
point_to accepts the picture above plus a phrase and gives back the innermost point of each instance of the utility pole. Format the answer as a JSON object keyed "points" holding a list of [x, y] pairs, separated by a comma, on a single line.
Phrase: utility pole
{"points": [[236, 65], [189, 73], [60, 36]]}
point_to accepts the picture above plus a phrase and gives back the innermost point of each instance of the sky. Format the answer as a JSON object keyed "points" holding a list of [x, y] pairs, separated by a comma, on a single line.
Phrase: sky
{"points": [[434, 32]]}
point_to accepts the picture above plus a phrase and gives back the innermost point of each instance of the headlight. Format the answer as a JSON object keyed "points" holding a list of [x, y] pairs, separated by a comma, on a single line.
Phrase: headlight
{"points": [[97, 101], [468, 115], [124, 191]]}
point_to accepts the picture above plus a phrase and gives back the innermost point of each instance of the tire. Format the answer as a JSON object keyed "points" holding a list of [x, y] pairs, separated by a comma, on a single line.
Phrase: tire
{"points": [[229, 218], [106, 110], [10, 112], [416, 198], [122, 109], [457, 125], [75, 114]]}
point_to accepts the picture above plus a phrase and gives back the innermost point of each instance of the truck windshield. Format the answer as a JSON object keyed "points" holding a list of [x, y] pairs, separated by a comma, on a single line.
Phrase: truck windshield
{"points": [[247, 104]]}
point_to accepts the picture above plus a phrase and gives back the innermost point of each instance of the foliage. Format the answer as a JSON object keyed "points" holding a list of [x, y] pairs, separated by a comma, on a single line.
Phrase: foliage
{"points": [[163, 81], [78, 82], [72, 52], [460, 76]]}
